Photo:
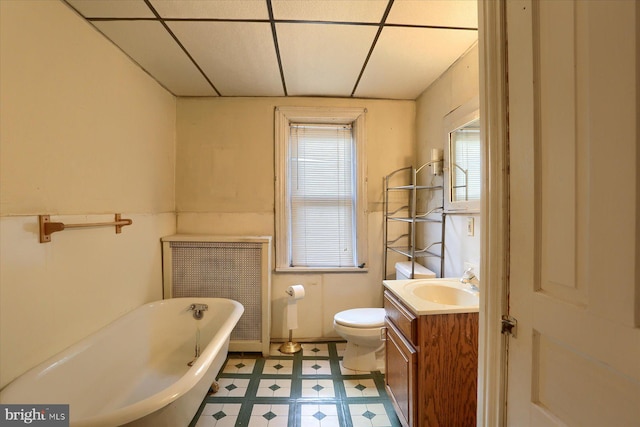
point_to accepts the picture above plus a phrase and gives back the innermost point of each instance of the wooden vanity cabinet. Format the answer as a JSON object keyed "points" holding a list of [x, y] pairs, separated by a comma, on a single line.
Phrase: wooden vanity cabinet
{"points": [[431, 366]]}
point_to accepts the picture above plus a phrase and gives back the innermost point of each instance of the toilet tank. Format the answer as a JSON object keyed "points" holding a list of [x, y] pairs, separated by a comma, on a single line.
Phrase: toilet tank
{"points": [[403, 271]]}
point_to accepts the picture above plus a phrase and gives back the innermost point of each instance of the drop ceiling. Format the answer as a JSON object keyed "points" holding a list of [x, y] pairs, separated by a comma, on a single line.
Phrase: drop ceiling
{"points": [[388, 49]]}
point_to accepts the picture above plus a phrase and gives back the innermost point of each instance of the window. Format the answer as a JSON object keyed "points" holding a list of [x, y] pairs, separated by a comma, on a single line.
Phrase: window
{"points": [[320, 189]]}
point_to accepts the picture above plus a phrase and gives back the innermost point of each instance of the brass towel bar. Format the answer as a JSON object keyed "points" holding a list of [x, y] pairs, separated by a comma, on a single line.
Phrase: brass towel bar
{"points": [[47, 227]]}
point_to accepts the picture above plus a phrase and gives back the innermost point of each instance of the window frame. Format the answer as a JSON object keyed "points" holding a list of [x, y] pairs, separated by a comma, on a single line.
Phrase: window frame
{"points": [[284, 116]]}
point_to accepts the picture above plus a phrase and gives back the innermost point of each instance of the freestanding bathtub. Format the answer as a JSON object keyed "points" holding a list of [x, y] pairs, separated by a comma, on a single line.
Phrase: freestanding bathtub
{"points": [[135, 370]]}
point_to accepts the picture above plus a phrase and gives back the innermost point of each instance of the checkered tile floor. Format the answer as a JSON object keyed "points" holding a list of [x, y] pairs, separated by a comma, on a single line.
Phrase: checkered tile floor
{"points": [[310, 388]]}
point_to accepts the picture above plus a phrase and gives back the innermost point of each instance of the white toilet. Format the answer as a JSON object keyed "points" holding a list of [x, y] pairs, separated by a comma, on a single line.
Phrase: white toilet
{"points": [[403, 271], [362, 328]]}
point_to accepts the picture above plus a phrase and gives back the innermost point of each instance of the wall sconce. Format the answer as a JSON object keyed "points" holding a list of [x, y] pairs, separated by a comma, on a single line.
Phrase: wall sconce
{"points": [[436, 161]]}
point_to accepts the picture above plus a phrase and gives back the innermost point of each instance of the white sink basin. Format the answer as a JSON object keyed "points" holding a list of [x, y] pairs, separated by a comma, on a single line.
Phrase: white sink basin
{"points": [[448, 295], [435, 296]]}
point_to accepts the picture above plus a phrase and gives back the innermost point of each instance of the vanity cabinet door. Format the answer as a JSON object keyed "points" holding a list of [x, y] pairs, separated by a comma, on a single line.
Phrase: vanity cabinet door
{"points": [[448, 370], [405, 321], [400, 376]]}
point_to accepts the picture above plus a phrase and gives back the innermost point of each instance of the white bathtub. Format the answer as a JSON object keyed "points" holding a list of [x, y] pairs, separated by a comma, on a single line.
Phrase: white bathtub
{"points": [[134, 371]]}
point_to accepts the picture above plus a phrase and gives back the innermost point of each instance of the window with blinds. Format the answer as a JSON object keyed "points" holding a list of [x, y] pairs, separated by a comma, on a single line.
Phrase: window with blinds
{"points": [[321, 222], [322, 195]]}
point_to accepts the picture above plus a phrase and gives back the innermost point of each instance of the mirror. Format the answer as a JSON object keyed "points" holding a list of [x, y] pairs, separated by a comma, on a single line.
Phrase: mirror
{"points": [[462, 159], [464, 162]]}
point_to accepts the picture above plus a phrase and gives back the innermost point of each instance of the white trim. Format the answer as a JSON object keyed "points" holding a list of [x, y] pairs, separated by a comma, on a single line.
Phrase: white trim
{"points": [[321, 270], [494, 213], [283, 117]]}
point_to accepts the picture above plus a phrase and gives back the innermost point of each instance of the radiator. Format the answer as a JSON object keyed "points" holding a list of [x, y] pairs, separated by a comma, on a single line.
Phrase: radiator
{"points": [[232, 267]]}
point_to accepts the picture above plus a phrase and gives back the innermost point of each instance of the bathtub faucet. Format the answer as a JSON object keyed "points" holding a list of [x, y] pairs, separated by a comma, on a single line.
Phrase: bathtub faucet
{"points": [[198, 310]]}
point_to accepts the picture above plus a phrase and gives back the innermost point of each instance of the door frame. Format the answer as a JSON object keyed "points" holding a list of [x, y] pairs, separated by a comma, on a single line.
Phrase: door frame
{"points": [[494, 259]]}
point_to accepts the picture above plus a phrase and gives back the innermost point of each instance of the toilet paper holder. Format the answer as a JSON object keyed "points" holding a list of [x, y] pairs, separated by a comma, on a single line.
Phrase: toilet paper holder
{"points": [[295, 292], [290, 346]]}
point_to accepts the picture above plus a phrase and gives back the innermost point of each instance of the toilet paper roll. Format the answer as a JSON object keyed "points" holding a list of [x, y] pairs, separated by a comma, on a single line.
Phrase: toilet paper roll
{"points": [[295, 292]]}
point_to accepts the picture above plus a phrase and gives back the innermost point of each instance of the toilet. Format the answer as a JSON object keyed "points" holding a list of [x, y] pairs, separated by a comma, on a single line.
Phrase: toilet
{"points": [[362, 329], [403, 271]]}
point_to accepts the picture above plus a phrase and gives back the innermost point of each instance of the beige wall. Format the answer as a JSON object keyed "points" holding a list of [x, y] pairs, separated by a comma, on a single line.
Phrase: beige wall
{"points": [[458, 85], [84, 133], [225, 186]]}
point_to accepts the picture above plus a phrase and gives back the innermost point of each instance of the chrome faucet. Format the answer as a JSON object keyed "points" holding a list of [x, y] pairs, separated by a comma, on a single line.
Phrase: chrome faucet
{"points": [[198, 310], [469, 277]]}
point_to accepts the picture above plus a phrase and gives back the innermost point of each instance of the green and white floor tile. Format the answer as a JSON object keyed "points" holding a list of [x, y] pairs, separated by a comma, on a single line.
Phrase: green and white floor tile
{"points": [[310, 388]]}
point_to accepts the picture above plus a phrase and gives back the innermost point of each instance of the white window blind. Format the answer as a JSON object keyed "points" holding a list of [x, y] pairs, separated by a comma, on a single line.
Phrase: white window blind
{"points": [[322, 191], [466, 168]]}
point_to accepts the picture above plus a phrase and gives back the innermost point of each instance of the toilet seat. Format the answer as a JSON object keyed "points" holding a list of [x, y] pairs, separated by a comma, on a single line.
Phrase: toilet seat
{"points": [[361, 318]]}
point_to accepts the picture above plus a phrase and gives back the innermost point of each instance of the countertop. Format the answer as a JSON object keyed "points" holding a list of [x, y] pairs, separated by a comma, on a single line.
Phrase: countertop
{"points": [[404, 291]]}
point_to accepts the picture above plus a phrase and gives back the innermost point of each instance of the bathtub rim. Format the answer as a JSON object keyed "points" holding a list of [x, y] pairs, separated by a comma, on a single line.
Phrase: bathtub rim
{"points": [[163, 397]]}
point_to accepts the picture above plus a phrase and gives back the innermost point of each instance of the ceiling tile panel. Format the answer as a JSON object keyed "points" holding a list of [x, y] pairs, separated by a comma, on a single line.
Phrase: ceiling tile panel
{"points": [[151, 46], [112, 9], [212, 9], [406, 61], [239, 58], [323, 60], [446, 13], [322, 54], [370, 11]]}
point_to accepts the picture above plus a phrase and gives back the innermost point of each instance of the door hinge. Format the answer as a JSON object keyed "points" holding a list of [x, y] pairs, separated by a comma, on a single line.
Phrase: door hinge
{"points": [[509, 326]]}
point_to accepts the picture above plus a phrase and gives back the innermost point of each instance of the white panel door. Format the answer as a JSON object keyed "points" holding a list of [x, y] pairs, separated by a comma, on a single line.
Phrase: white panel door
{"points": [[574, 213]]}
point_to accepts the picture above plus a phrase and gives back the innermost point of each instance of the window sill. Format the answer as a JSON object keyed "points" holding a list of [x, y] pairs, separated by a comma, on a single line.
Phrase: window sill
{"points": [[321, 270]]}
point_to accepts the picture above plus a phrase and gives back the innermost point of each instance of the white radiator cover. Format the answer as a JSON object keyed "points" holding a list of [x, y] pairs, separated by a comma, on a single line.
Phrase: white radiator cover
{"points": [[235, 267]]}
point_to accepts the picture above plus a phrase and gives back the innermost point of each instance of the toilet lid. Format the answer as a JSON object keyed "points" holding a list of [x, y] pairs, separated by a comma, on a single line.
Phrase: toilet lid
{"points": [[361, 317]]}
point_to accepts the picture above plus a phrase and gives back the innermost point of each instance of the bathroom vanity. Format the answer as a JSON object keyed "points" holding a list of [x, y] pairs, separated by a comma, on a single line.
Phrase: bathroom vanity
{"points": [[432, 351]]}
